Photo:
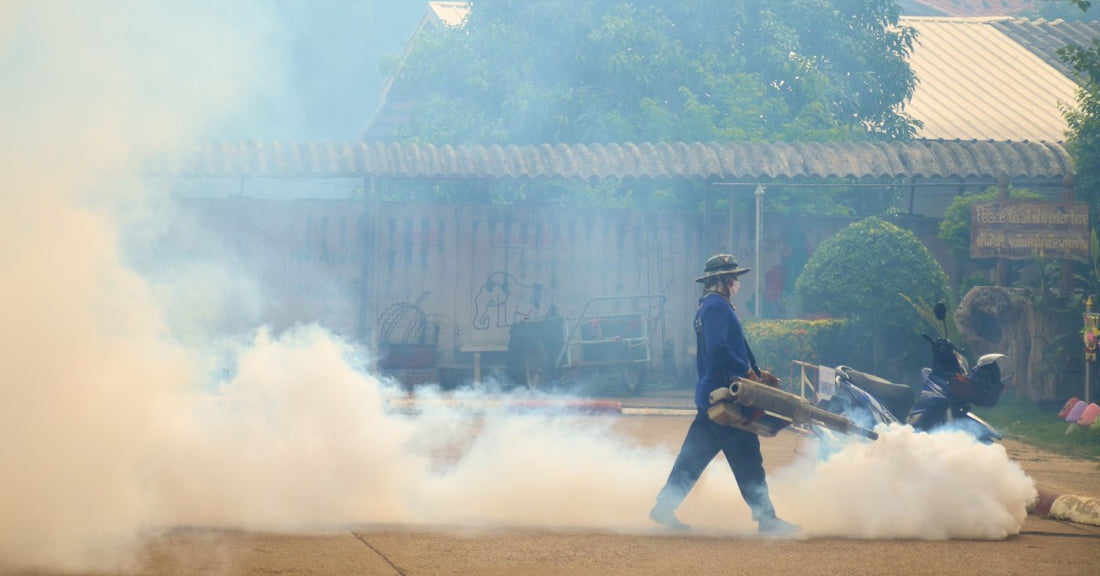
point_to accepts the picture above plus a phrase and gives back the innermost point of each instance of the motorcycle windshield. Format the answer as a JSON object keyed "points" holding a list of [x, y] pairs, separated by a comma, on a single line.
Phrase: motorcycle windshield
{"points": [[964, 364], [933, 406], [872, 413]]}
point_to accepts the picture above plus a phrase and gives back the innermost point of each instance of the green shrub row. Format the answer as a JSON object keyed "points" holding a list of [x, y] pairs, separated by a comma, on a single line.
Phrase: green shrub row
{"points": [[775, 343]]}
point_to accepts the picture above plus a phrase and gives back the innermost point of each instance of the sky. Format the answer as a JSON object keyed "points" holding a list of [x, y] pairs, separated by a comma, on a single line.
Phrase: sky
{"points": [[323, 64]]}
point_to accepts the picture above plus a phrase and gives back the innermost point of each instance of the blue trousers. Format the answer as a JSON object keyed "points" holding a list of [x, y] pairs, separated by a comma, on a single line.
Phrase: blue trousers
{"points": [[742, 450]]}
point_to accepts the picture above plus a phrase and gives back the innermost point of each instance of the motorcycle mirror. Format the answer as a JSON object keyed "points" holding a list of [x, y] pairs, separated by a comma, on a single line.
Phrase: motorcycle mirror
{"points": [[941, 315]]}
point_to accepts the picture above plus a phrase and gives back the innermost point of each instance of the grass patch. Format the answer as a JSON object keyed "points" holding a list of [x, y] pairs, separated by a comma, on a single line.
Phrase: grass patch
{"points": [[1040, 426]]}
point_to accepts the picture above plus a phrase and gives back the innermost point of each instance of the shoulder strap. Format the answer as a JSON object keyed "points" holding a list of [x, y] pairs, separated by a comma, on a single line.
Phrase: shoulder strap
{"points": [[752, 359]]}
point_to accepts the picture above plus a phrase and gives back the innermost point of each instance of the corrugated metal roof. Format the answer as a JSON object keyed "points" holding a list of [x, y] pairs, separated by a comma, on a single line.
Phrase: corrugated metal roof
{"points": [[450, 13], [1045, 37], [977, 82], [694, 160], [978, 7]]}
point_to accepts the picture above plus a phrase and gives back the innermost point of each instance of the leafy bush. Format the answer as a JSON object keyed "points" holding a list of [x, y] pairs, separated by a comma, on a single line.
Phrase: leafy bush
{"points": [[776, 342], [862, 273], [955, 227], [970, 282]]}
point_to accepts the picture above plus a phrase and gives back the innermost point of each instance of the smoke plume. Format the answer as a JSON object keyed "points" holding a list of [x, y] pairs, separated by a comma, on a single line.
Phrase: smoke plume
{"points": [[910, 485], [123, 413]]}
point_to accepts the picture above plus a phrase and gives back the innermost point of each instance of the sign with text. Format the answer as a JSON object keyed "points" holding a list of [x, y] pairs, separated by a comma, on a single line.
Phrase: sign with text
{"points": [[1021, 230]]}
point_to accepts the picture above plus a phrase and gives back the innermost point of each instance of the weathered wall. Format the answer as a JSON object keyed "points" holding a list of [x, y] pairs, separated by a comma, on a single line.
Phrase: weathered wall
{"points": [[477, 270], [379, 273], [459, 276], [307, 256]]}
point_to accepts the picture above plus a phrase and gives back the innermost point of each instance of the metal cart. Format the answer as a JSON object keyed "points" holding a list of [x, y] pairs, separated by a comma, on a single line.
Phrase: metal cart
{"points": [[556, 349]]}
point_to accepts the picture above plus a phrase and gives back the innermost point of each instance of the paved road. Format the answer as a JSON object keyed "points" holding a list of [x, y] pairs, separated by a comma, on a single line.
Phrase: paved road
{"points": [[1044, 547], [1041, 547]]}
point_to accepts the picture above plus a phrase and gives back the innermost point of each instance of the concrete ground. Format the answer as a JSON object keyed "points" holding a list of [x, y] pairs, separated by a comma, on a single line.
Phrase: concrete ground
{"points": [[1043, 546]]}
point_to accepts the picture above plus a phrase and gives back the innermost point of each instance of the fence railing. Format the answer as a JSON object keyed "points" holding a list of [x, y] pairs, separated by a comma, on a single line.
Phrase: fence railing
{"points": [[803, 384]]}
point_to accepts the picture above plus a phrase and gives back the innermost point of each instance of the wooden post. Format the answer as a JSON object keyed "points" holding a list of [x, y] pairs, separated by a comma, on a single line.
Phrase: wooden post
{"points": [[1068, 266], [708, 213], [732, 226], [1001, 275]]}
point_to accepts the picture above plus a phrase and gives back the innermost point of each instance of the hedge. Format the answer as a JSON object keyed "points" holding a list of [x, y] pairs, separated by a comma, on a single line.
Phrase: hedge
{"points": [[775, 343]]}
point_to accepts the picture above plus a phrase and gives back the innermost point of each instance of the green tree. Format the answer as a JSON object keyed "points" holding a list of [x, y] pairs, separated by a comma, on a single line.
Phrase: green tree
{"points": [[867, 273], [1070, 10], [955, 227], [661, 70], [1083, 137]]}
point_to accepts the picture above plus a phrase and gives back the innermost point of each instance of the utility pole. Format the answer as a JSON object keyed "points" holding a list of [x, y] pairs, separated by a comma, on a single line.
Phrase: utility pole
{"points": [[759, 235]]}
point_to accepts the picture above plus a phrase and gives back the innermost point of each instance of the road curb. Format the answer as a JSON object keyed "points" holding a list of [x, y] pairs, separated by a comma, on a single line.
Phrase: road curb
{"points": [[1056, 506], [584, 406], [653, 411]]}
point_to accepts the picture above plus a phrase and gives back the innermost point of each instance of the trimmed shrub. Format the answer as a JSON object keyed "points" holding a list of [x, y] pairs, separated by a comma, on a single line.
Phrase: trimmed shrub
{"points": [[775, 343], [863, 273]]}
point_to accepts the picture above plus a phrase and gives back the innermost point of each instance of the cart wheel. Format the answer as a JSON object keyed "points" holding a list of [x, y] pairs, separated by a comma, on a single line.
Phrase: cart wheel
{"points": [[528, 365], [633, 378], [535, 369]]}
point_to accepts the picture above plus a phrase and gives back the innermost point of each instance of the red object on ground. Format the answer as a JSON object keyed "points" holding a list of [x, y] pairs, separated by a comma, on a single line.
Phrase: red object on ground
{"points": [[1067, 407], [1042, 505], [584, 406], [1089, 415]]}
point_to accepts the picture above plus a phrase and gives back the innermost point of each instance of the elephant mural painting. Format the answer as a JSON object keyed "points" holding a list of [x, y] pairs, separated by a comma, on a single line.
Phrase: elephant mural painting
{"points": [[502, 300]]}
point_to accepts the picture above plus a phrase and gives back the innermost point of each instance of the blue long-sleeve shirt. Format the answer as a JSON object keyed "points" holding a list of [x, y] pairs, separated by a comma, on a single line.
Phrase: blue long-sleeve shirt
{"points": [[720, 349]]}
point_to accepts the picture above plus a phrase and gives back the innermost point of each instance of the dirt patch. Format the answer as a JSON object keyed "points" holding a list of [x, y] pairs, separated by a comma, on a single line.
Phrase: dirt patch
{"points": [[1062, 474]]}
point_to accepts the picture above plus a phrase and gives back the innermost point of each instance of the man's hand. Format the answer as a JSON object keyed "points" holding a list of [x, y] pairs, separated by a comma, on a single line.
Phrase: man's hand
{"points": [[768, 378]]}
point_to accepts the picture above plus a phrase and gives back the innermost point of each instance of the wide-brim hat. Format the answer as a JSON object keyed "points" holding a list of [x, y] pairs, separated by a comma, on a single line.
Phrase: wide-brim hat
{"points": [[721, 265]]}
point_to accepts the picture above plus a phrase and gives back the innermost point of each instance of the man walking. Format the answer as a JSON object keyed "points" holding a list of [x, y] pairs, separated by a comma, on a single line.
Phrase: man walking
{"points": [[721, 354]]}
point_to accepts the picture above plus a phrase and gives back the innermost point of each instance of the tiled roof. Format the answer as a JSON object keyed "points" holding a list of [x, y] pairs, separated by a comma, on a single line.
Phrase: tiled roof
{"points": [[694, 160], [991, 78]]}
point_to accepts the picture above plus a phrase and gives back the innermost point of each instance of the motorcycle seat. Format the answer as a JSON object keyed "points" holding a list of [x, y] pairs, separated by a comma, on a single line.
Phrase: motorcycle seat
{"points": [[897, 398]]}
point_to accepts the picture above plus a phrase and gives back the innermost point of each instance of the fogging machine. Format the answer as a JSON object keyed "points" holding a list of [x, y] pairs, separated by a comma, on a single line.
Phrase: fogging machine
{"points": [[765, 410]]}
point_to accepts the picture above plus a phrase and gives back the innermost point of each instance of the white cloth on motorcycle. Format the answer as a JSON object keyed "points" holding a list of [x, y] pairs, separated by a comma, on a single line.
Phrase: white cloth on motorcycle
{"points": [[897, 398], [826, 383]]}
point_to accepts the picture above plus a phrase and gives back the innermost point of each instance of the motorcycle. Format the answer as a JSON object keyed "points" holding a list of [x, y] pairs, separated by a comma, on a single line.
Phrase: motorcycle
{"points": [[950, 388]]}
